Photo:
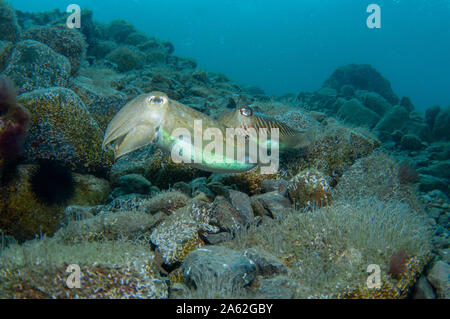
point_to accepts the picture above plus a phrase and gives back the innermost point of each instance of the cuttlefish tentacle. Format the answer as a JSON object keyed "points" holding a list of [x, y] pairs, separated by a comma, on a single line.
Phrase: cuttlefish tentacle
{"points": [[152, 118], [246, 119]]}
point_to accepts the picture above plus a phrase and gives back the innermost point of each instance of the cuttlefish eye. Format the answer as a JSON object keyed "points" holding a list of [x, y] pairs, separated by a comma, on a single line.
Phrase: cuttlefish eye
{"points": [[156, 100], [246, 111]]}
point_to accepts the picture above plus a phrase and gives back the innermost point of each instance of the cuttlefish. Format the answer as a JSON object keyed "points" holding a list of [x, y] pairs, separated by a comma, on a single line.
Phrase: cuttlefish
{"points": [[251, 122], [156, 119]]}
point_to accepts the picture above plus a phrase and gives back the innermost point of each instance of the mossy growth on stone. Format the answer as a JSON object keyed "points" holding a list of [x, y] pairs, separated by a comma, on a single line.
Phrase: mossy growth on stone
{"points": [[62, 128], [23, 215], [61, 39], [10, 29], [162, 172]]}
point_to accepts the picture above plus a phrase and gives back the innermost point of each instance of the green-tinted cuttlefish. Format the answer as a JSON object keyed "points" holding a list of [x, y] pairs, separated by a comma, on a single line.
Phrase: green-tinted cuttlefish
{"points": [[170, 125]]}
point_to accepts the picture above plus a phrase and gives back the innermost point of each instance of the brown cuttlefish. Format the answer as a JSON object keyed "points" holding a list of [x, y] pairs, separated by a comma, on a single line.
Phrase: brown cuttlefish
{"points": [[250, 122]]}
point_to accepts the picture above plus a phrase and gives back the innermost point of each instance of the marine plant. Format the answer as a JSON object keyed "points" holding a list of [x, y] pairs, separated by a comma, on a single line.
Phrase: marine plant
{"points": [[13, 122], [328, 249]]}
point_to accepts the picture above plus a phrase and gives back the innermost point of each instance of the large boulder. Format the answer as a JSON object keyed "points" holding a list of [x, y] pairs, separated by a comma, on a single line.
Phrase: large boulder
{"points": [[374, 101], [34, 65], [356, 113], [102, 102], [441, 128], [10, 29], [228, 267], [5, 53], [62, 128], [395, 119], [362, 77], [65, 41]]}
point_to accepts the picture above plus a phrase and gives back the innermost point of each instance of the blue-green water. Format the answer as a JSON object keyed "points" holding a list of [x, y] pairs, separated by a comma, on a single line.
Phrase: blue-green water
{"points": [[291, 46]]}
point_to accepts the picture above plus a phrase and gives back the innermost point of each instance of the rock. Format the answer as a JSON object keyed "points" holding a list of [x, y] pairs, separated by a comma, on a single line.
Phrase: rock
{"points": [[22, 214], [34, 65], [8, 23], [393, 120], [356, 113], [6, 48], [439, 277], [90, 190], [440, 169], [429, 183], [179, 234], [199, 185], [200, 75], [132, 163], [275, 185], [309, 189], [280, 287], [129, 202], [407, 104], [423, 289], [62, 128], [362, 77], [134, 184], [102, 102], [431, 113], [374, 102], [166, 202], [268, 264], [76, 213], [130, 225], [136, 38], [347, 91], [411, 142], [270, 204], [444, 254], [241, 202], [226, 217], [441, 128], [101, 49], [119, 30], [127, 58], [216, 263], [215, 239], [63, 40]]}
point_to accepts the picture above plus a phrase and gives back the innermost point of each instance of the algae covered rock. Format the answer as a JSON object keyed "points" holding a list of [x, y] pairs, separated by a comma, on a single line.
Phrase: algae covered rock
{"points": [[214, 263], [102, 102], [441, 128], [27, 210], [6, 48], [127, 58], [393, 120], [362, 77], [34, 65], [90, 190], [356, 113], [374, 101], [62, 128], [10, 29], [179, 234], [63, 40], [310, 189], [22, 214]]}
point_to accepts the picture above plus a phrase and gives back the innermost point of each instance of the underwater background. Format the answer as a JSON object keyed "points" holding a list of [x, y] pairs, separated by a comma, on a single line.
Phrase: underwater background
{"points": [[359, 210], [289, 46]]}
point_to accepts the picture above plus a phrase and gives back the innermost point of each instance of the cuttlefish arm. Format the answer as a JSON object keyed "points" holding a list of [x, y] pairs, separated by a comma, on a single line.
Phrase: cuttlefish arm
{"points": [[153, 118], [246, 119]]}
